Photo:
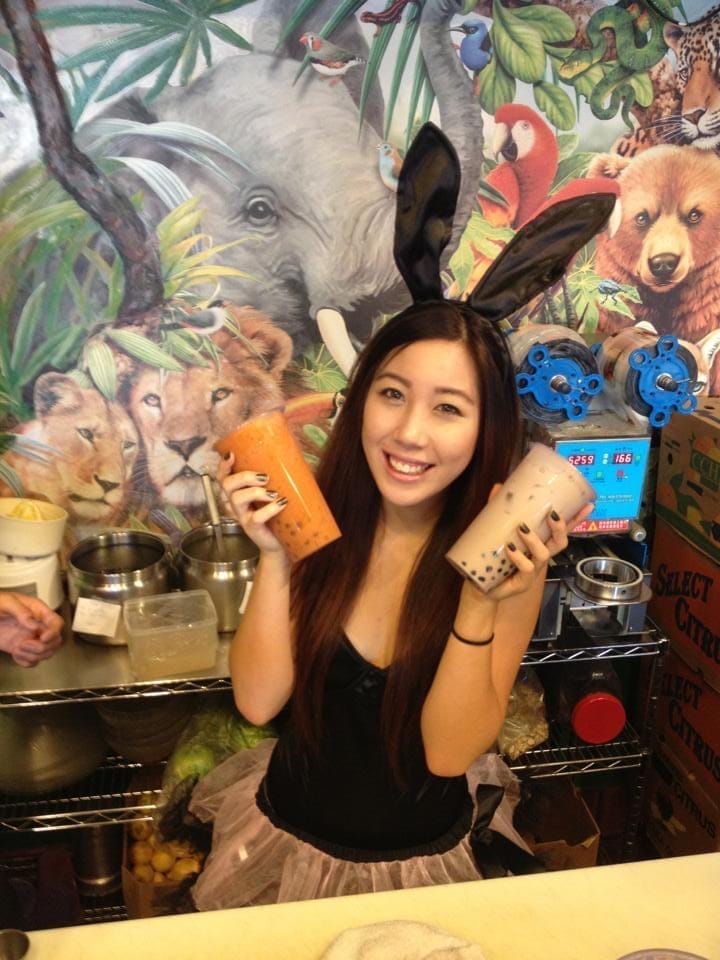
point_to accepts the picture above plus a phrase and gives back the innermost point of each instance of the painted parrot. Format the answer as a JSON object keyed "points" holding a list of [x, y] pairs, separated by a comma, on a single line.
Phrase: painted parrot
{"points": [[527, 151]]}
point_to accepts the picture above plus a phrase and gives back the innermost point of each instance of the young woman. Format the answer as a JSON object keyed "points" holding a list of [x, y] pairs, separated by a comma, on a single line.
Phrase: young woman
{"points": [[397, 672]]}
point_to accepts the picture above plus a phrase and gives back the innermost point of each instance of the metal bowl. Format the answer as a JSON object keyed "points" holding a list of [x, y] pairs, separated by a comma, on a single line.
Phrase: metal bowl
{"points": [[45, 748], [225, 580], [115, 567]]}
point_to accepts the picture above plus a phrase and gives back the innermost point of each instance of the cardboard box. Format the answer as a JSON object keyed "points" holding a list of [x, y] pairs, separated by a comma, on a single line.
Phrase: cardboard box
{"points": [[686, 601], [688, 490], [679, 818], [559, 828], [688, 722]]}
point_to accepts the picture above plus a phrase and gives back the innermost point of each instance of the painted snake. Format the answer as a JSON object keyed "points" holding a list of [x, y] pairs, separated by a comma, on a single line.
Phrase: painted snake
{"points": [[629, 25]]}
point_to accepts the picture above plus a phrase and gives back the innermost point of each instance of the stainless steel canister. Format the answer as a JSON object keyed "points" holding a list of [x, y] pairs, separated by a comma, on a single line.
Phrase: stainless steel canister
{"points": [[225, 580], [115, 567]]}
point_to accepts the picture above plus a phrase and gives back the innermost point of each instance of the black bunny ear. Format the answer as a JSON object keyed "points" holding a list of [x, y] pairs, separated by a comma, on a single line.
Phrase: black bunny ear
{"points": [[539, 253], [427, 194]]}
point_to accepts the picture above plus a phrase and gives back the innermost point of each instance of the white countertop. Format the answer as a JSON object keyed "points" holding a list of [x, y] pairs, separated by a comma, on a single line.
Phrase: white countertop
{"points": [[599, 913]]}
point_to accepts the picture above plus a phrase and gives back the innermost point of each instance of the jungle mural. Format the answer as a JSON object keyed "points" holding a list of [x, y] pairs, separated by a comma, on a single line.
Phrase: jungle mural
{"points": [[197, 201]]}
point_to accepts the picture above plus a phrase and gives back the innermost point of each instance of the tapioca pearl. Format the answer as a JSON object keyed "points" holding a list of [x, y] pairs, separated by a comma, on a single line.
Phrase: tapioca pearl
{"points": [[473, 573], [463, 563], [488, 569], [482, 579]]}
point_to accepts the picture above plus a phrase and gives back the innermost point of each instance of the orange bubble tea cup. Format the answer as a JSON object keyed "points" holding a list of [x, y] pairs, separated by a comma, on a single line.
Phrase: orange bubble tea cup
{"points": [[265, 444]]}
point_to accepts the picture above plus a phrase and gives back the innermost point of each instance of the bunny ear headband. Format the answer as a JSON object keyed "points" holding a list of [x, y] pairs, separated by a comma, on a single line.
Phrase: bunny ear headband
{"points": [[536, 257]]}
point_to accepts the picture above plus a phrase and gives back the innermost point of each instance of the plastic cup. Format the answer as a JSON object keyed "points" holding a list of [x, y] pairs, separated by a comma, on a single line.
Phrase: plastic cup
{"points": [[266, 445], [541, 482]]}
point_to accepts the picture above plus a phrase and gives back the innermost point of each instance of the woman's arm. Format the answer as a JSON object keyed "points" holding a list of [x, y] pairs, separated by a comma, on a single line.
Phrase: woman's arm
{"points": [[261, 653], [465, 706]]}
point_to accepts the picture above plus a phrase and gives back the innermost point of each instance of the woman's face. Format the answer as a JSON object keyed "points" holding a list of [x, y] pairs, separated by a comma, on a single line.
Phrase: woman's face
{"points": [[421, 420]]}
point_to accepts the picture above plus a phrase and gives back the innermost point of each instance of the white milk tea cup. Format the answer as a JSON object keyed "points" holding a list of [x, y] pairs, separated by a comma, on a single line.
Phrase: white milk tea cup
{"points": [[541, 482]]}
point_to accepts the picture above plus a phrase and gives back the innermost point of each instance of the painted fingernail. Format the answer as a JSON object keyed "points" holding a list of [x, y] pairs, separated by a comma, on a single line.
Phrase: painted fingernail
{"points": [[261, 477], [511, 546], [524, 528], [271, 493], [554, 514], [282, 501]]}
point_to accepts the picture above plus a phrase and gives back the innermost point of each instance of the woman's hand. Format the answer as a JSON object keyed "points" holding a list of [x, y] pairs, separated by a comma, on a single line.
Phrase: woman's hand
{"points": [[251, 503], [530, 555]]}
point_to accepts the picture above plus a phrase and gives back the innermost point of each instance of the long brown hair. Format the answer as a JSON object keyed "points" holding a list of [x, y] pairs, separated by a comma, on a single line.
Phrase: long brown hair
{"points": [[324, 586]]}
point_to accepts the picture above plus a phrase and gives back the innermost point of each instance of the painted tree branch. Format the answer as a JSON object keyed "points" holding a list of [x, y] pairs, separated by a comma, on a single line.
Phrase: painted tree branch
{"points": [[77, 173]]}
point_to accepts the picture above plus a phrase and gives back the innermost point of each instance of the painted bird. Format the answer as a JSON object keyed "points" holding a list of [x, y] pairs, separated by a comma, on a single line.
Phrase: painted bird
{"points": [[328, 59], [527, 154], [476, 47], [389, 163]]}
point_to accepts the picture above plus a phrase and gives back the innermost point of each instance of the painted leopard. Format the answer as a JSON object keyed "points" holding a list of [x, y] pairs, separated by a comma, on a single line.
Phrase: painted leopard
{"points": [[694, 114]]}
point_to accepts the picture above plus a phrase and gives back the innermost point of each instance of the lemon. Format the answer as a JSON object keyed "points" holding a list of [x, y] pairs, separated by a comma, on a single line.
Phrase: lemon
{"points": [[141, 852], [162, 860], [143, 872], [141, 829], [184, 868], [27, 510]]}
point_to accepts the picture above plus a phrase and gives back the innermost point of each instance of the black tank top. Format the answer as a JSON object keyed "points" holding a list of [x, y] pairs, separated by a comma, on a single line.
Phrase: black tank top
{"points": [[345, 800]]}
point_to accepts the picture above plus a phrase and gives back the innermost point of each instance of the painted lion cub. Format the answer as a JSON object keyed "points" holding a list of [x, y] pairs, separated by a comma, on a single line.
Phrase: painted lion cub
{"points": [[93, 447]]}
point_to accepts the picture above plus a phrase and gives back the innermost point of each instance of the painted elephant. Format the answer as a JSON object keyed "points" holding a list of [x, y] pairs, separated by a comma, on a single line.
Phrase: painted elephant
{"points": [[308, 198]]}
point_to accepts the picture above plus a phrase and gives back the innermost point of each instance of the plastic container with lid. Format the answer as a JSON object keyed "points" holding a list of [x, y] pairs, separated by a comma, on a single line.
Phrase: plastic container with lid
{"points": [[171, 633], [588, 697]]}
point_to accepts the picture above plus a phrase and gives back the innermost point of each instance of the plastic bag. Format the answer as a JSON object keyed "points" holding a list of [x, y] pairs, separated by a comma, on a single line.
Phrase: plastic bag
{"points": [[525, 725], [213, 733]]}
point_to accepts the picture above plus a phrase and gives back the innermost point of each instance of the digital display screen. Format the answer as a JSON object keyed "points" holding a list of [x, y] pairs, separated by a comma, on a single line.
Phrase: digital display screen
{"points": [[582, 459], [622, 458]]}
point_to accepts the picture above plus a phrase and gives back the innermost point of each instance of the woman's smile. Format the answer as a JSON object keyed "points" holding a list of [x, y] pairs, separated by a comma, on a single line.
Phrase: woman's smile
{"points": [[408, 469], [420, 421]]}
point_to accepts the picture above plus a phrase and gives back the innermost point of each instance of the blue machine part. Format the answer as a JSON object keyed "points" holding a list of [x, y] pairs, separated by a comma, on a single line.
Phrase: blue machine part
{"points": [[559, 383], [665, 379]]}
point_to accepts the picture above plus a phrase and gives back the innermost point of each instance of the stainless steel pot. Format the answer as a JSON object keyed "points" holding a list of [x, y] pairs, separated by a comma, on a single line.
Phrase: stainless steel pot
{"points": [[47, 748], [115, 567], [225, 580]]}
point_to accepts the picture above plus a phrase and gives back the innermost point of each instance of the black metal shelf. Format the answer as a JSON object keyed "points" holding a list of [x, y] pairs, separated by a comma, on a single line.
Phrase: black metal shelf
{"points": [[561, 756], [134, 691], [107, 796]]}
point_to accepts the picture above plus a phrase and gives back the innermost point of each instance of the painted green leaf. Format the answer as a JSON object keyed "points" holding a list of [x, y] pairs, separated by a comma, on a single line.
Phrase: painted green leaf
{"points": [[619, 306], [225, 33], [107, 14], [403, 52], [555, 104], [571, 168], [497, 86], [552, 24], [378, 49], [54, 351], [26, 327], [165, 72], [586, 82], [315, 434], [100, 364], [518, 45], [491, 193], [567, 144], [138, 69], [189, 55], [143, 349], [111, 48], [642, 85]]}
